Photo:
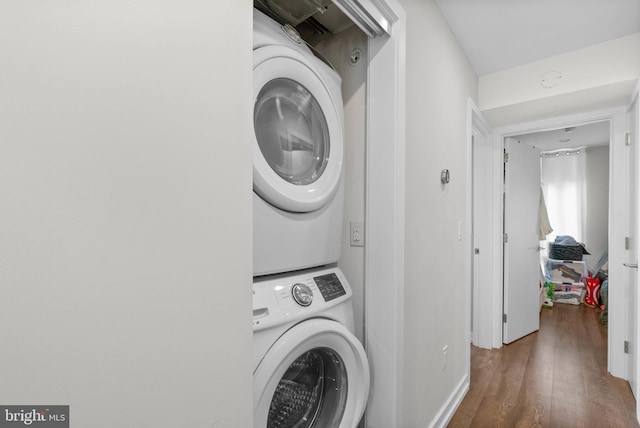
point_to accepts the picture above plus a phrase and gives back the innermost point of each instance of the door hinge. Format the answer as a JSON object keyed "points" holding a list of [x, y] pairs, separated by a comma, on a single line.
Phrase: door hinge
{"points": [[505, 238], [504, 318], [626, 346], [505, 158], [627, 139], [627, 243]]}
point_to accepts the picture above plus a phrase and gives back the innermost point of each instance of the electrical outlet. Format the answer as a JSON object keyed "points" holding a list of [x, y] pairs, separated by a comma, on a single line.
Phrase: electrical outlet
{"points": [[445, 349], [356, 233]]}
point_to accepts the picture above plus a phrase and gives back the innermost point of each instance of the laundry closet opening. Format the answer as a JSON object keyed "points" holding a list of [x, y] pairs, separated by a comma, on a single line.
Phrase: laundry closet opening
{"points": [[370, 63], [310, 368], [335, 39]]}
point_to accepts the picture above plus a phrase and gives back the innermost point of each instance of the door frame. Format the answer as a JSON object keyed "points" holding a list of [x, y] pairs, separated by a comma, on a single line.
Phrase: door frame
{"points": [[617, 317], [634, 140], [478, 266], [384, 21]]}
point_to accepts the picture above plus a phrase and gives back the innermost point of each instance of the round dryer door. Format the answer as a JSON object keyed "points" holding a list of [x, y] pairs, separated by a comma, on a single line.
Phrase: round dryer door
{"points": [[315, 375], [298, 150]]}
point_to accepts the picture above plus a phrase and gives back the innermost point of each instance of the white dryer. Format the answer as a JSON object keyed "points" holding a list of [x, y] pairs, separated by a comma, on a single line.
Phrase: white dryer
{"points": [[298, 152], [309, 368]]}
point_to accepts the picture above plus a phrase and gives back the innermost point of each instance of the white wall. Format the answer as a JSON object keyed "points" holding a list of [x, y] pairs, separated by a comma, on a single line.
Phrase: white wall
{"points": [[337, 50], [597, 65], [597, 203], [598, 77], [439, 81], [125, 211]]}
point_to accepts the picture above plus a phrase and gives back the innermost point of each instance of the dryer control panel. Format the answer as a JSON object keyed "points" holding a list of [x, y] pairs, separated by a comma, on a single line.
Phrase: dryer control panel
{"points": [[287, 298]]}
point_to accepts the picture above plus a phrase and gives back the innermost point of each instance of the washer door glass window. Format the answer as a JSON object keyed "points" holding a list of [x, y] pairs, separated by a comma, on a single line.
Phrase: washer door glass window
{"points": [[312, 392], [291, 131], [316, 374], [298, 146]]}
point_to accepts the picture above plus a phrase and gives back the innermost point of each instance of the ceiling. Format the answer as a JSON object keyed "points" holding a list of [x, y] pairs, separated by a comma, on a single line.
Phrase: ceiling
{"points": [[500, 34], [590, 135]]}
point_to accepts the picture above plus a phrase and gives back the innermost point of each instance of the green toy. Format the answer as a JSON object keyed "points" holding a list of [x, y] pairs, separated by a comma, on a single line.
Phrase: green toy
{"points": [[549, 288]]}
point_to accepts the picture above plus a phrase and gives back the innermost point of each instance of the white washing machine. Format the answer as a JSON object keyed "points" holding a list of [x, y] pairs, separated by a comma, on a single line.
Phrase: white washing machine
{"points": [[298, 151], [309, 368]]}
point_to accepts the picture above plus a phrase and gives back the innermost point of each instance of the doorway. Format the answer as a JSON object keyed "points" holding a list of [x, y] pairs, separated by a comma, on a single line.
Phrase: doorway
{"points": [[571, 187], [490, 312], [617, 223]]}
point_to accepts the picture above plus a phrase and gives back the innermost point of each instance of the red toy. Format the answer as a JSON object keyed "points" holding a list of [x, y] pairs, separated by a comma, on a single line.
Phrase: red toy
{"points": [[593, 292]]}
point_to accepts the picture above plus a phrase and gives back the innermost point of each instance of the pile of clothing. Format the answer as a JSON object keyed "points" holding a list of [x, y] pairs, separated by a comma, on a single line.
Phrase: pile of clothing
{"points": [[566, 270], [565, 247]]}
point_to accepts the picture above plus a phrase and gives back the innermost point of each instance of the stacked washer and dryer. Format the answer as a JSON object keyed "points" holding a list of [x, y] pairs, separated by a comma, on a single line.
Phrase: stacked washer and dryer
{"points": [[309, 368]]}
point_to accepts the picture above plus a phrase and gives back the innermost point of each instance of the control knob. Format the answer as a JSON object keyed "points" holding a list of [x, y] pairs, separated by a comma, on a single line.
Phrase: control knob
{"points": [[302, 294]]}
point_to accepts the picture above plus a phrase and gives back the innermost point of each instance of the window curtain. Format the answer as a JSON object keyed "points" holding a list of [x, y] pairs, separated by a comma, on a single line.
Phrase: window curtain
{"points": [[563, 184]]}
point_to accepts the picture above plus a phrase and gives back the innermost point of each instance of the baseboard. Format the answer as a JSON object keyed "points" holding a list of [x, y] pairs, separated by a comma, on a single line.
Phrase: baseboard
{"points": [[446, 412]]}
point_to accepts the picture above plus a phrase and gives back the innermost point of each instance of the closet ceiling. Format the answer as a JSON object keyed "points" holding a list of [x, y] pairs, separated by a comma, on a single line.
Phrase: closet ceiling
{"points": [[500, 34]]}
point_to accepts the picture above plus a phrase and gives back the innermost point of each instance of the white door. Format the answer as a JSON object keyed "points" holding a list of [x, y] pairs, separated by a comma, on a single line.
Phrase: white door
{"points": [[521, 247], [632, 253], [482, 218]]}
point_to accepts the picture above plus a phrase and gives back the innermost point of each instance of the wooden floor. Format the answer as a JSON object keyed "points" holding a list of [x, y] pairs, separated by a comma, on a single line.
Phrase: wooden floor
{"points": [[556, 377]]}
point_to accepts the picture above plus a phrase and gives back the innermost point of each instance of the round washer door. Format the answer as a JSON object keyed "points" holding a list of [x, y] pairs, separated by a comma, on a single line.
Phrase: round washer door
{"points": [[298, 141], [315, 375]]}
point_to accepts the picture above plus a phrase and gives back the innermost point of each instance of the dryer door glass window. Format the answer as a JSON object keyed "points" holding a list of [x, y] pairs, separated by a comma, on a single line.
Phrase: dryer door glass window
{"points": [[291, 131], [312, 392]]}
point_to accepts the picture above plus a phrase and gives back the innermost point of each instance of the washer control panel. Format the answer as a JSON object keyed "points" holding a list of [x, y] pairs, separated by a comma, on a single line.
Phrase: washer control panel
{"points": [[330, 286], [284, 298]]}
